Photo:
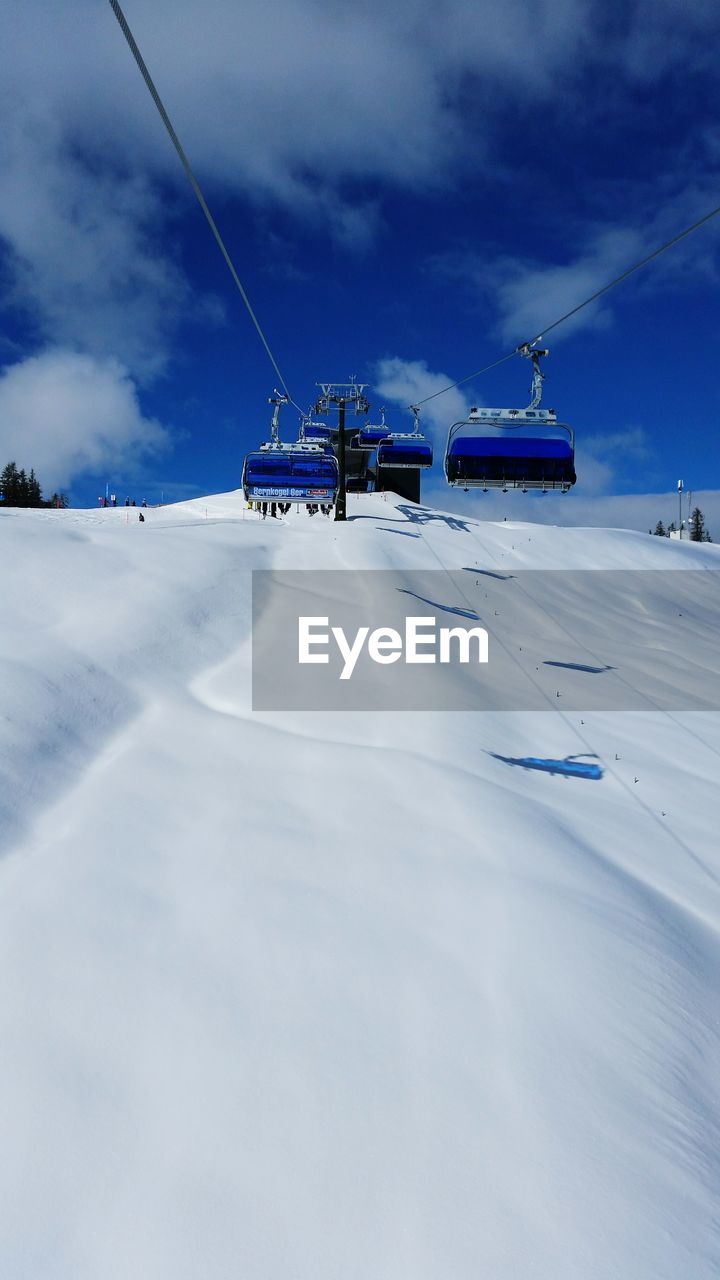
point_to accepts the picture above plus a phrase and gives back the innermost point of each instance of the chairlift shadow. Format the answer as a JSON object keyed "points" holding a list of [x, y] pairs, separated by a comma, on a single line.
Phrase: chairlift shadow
{"points": [[487, 573], [570, 767], [427, 515], [579, 666], [444, 608], [387, 519]]}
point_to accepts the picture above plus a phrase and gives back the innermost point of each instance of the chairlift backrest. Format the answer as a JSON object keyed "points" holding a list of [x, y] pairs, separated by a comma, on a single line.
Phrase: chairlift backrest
{"points": [[511, 448], [303, 472]]}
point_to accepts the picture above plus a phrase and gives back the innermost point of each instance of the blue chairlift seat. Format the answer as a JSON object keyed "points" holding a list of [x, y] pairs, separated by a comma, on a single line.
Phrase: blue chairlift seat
{"points": [[518, 449], [304, 472], [369, 437], [405, 450], [318, 433]]}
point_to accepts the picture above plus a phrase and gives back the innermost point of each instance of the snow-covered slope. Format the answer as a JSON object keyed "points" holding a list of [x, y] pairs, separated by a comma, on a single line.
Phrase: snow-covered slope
{"points": [[338, 996]]}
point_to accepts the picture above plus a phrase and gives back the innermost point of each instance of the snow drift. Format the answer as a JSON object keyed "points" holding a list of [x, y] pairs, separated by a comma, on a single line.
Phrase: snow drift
{"points": [[315, 995]]}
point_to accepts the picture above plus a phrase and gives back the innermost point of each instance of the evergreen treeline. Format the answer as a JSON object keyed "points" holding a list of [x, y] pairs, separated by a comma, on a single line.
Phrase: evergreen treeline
{"points": [[698, 532], [17, 489]]}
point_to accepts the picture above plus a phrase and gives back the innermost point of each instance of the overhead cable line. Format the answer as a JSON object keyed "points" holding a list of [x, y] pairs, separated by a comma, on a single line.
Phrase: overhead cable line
{"points": [[193, 182], [460, 381], [524, 346]]}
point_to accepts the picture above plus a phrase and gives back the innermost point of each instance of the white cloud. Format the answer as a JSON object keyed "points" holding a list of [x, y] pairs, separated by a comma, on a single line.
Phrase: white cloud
{"points": [[305, 104], [285, 101], [579, 508], [299, 103], [528, 297], [406, 382], [601, 458], [64, 413], [270, 98], [89, 267]]}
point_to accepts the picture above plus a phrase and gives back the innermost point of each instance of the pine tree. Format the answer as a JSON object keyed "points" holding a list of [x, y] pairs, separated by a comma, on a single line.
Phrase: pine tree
{"points": [[34, 491], [17, 489], [659, 529], [697, 526], [8, 485], [670, 528]]}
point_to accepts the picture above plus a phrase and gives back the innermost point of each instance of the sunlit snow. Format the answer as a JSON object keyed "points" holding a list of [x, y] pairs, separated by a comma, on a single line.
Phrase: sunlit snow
{"points": [[325, 996]]}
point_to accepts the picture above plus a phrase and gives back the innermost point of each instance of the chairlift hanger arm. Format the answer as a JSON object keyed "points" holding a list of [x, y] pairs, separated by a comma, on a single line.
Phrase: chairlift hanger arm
{"points": [[538, 377], [277, 401]]}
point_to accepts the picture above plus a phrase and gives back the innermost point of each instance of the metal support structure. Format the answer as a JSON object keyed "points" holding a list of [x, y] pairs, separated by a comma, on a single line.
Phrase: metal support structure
{"points": [[538, 377], [341, 394], [341, 504], [276, 401]]}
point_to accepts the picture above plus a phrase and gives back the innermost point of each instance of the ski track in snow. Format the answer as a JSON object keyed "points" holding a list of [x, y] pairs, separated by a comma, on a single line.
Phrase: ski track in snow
{"points": [[319, 995]]}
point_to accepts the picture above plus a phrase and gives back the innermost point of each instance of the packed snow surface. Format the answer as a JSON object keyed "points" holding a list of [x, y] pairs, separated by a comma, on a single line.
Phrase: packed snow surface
{"points": [[339, 996]]}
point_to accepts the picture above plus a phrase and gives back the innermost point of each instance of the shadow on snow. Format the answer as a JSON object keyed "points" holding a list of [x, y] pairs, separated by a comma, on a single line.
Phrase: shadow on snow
{"points": [[444, 608], [579, 666], [570, 767]]}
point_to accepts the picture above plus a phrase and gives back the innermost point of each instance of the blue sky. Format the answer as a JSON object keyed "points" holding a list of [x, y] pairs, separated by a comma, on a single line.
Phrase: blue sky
{"points": [[406, 196]]}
